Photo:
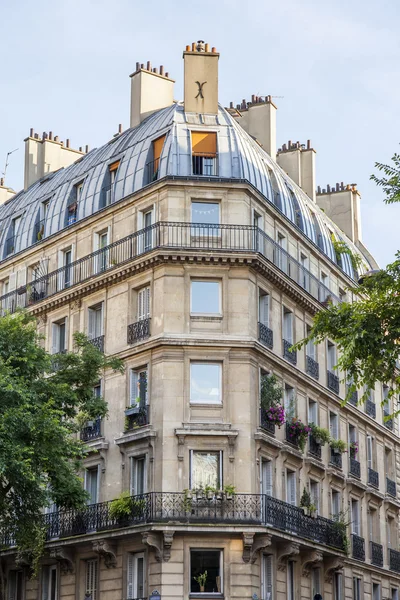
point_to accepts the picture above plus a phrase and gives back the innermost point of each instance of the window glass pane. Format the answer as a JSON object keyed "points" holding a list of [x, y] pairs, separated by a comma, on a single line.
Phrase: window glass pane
{"points": [[200, 562], [205, 470], [205, 212], [205, 297], [205, 383]]}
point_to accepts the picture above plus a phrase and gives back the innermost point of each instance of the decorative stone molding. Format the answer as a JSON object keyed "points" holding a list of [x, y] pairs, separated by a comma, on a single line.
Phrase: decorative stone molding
{"points": [[64, 556], [76, 304], [252, 546], [207, 430], [181, 447], [161, 542], [107, 551], [287, 551], [332, 566], [310, 560], [168, 537]]}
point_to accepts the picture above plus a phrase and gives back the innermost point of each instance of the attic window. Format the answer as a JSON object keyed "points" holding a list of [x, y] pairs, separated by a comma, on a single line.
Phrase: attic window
{"points": [[204, 153], [154, 165], [113, 168]]}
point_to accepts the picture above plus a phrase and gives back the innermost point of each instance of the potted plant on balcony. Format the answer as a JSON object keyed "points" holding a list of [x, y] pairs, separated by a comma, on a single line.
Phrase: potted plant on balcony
{"points": [[275, 414], [297, 432], [229, 491], [312, 510], [320, 435], [187, 501], [210, 492], [305, 500], [270, 400], [120, 509], [353, 449], [201, 580], [338, 446]]}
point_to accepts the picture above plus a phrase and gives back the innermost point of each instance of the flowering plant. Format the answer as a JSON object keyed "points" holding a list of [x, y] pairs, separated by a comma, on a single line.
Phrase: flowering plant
{"points": [[275, 414], [297, 432], [353, 449]]}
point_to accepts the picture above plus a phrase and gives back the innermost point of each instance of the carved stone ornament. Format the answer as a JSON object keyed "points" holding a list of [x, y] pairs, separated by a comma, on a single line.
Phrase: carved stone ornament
{"points": [[287, 551], [161, 542], [332, 566], [64, 556], [310, 560], [252, 544], [107, 551]]}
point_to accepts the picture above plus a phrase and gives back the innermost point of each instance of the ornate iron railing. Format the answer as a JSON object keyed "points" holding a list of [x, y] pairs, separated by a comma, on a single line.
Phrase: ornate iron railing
{"points": [[139, 331], [204, 164], [390, 487], [91, 431], [313, 447], [290, 355], [335, 459], [140, 418], [185, 507], [387, 422], [152, 170], [394, 560], [357, 547], [98, 342], [332, 381], [290, 437], [168, 235], [370, 408], [265, 423], [373, 478], [312, 367], [353, 398], [265, 335], [376, 554], [354, 467]]}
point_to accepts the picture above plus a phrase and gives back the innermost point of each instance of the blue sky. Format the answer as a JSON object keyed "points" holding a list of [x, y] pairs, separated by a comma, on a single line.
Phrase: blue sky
{"points": [[333, 67]]}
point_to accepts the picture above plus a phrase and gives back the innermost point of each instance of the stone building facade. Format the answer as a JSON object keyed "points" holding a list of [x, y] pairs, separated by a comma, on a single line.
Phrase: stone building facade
{"points": [[191, 249]]}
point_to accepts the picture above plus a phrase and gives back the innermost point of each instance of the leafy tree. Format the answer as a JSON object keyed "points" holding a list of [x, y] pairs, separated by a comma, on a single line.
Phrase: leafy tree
{"points": [[41, 402], [367, 332]]}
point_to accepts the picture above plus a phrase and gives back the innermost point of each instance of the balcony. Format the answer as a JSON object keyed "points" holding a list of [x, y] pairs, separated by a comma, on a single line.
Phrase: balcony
{"points": [[376, 554], [98, 342], [138, 331], [394, 560], [391, 487], [265, 335], [290, 438], [312, 367], [204, 164], [388, 423], [152, 170], [354, 468], [373, 478], [370, 408], [290, 355], [313, 448], [335, 459], [332, 381], [353, 398], [170, 236], [91, 431], [136, 417], [265, 423], [195, 508], [357, 547]]}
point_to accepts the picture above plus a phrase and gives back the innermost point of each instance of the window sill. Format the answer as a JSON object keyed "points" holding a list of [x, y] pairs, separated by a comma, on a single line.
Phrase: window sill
{"points": [[206, 404], [206, 595], [205, 317]]}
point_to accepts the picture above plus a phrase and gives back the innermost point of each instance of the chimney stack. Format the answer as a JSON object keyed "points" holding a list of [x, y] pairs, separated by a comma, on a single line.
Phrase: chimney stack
{"points": [[298, 161], [258, 118], [342, 204], [201, 79], [150, 91], [5, 192]]}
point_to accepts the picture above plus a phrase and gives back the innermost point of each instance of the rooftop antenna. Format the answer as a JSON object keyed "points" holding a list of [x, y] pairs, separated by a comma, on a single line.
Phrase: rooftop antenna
{"points": [[7, 163]]}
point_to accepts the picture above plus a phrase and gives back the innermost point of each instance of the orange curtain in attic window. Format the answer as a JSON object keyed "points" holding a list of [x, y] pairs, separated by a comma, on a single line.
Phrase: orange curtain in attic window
{"points": [[114, 166], [157, 149], [204, 144]]}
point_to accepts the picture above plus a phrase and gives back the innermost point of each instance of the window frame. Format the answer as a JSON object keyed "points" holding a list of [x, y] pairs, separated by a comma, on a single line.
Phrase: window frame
{"points": [[221, 570], [206, 401], [133, 474], [135, 557], [92, 469], [220, 454], [218, 282]]}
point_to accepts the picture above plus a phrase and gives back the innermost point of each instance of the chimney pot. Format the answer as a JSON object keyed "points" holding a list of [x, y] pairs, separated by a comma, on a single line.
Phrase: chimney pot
{"points": [[137, 66], [36, 136], [187, 48], [319, 189], [61, 143], [120, 128], [200, 46], [289, 144], [154, 70], [207, 47], [56, 138], [213, 50], [161, 69], [167, 74], [342, 185], [67, 142], [193, 47], [253, 99], [284, 147], [148, 66], [328, 187], [86, 148], [230, 104], [142, 65], [2, 181], [44, 135], [50, 135], [31, 132], [80, 148], [324, 191], [308, 144], [337, 187]]}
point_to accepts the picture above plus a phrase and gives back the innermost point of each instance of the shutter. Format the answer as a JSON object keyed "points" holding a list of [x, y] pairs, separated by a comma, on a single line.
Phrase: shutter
{"points": [[12, 282], [267, 577], [55, 338], [157, 149], [12, 585], [21, 277], [133, 477], [143, 388], [91, 578], [91, 323], [45, 583], [134, 382], [147, 302], [369, 451], [140, 305], [140, 577], [130, 576], [266, 478], [99, 321], [333, 426], [291, 488]]}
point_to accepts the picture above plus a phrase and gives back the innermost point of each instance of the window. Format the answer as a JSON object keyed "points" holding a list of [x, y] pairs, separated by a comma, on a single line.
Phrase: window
{"points": [[205, 213], [97, 390], [266, 477], [49, 583], [395, 594], [146, 241], [287, 325], [355, 517], [387, 403], [331, 356], [135, 576], [204, 153], [138, 476], [205, 297], [342, 295], [334, 425], [389, 463], [91, 577], [205, 383], [304, 272], [11, 241], [263, 308], [143, 304], [92, 484], [15, 585], [376, 591], [113, 169], [282, 258], [205, 469], [154, 165], [314, 493], [311, 348], [101, 243], [66, 273], [58, 336], [391, 533], [95, 321], [291, 496], [324, 288], [312, 412], [289, 402], [370, 451], [373, 529], [338, 586], [267, 586], [73, 202], [356, 588], [290, 580], [335, 504], [315, 582], [202, 561], [138, 387]]}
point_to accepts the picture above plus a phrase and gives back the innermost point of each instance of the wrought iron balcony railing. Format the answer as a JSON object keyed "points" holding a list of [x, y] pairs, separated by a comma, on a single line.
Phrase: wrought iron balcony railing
{"points": [[394, 560], [135, 418], [312, 367], [290, 355], [265, 423], [354, 467], [388, 423], [139, 331], [98, 342], [183, 507], [376, 554], [357, 547], [335, 459], [353, 399], [265, 335], [152, 170], [390, 487], [332, 381], [313, 447], [91, 431], [170, 235], [291, 437], [373, 478], [370, 408]]}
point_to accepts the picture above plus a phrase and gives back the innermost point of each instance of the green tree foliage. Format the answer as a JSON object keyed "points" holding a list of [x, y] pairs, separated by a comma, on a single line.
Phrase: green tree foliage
{"points": [[40, 404], [271, 392], [390, 182]]}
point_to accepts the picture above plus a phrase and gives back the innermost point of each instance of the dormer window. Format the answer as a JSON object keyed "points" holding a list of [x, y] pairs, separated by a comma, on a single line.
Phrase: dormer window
{"points": [[113, 168], [204, 153], [74, 199], [153, 167]]}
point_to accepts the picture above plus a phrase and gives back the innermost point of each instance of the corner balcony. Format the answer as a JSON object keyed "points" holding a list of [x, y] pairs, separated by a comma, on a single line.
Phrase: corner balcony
{"points": [[98, 342], [265, 335], [332, 381], [91, 431], [290, 355], [136, 417], [312, 367], [376, 554], [357, 547], [190, 508], [138, 331]]}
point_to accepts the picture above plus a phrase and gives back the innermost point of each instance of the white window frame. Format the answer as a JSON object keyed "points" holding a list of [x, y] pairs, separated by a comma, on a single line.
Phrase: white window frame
{"points": [[92, 469], [134, 474], [207, 313], [311, 348], [334, 425], [331, 356], [220, 465], [132, 570], [206, 401], [93, 586], [266, 476], [264, 307], [288, 324], [143, 303], [47, 582], [146, 238], [313, 407], [196, 223], [289, 401], [355, 516], [315, 493], [55, 335], [290, 497], [96, 308], [102, 261], [267, 577], [63, 263], [134, 378], [335, 494], [282, 261]]}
